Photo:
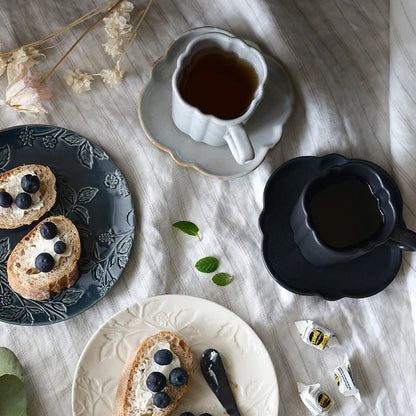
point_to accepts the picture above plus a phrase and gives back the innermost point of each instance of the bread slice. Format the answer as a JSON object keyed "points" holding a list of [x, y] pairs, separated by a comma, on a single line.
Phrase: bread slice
{"points": [[43, 199], [26, 280], [136, 371]]}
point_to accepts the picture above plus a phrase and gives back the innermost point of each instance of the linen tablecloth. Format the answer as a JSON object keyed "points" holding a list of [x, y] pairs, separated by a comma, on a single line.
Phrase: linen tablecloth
{"points": [[353, 65]]}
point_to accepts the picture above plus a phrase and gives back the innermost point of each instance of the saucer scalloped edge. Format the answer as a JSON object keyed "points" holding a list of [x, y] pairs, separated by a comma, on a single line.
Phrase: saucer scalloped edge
{"points": [[202, 324], [264, 127], [88, 182]]}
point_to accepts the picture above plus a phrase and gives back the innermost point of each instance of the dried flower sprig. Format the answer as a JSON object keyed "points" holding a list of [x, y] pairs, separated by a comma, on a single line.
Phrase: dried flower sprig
{"points": [[119, 33], [79, 81], [103, 6], [20, 63], [25, 92], [112, 76], [116, 27]]}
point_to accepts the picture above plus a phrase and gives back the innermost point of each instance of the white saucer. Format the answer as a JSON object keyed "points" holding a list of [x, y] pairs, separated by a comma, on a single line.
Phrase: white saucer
{"points": [[264, 127], [202, 324]]}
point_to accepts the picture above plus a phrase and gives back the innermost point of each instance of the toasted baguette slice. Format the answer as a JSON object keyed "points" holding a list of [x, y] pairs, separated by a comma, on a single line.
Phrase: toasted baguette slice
{"points": [[26, 280], [43, 199], [135, 373]]}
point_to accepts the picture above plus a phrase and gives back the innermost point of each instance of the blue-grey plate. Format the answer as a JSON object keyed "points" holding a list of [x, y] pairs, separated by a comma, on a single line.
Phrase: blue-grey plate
{"points": [[93, 193]]}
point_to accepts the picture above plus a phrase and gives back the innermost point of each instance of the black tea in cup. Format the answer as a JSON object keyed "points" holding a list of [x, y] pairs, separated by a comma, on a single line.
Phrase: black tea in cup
{"points": [[218, 82], [344, 212]]}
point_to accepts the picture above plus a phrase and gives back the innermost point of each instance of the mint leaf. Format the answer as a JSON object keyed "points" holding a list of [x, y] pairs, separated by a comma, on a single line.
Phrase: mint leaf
{"points": [[207, 264], [187, 227], [222, 279]]}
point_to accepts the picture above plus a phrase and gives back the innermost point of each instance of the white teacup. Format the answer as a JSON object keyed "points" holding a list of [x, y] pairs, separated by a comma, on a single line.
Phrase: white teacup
{"points": [[209, 128]]}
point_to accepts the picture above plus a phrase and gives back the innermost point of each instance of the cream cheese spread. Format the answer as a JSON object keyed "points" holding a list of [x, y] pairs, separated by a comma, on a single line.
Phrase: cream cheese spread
{"points": [[144, 397], [13, 186], [41, 245]]}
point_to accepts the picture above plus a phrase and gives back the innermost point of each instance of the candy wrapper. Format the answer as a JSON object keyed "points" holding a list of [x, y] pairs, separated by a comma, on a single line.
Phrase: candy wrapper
{"points": [[316, 400], [345, 380], [315, 335]]}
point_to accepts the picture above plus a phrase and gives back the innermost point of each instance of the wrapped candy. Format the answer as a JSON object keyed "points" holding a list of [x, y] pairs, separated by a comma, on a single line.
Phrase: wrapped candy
{"points": [[316, 400], [345, 380], [316, 335]]}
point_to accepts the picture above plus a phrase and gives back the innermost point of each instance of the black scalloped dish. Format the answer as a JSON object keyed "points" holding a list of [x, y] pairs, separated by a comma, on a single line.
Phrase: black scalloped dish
{"points": [[359, 278]]}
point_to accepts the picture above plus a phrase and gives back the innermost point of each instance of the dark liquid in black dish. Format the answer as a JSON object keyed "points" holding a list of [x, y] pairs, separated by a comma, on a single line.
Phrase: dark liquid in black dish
{"points": [[218, 83], [345, 214]]}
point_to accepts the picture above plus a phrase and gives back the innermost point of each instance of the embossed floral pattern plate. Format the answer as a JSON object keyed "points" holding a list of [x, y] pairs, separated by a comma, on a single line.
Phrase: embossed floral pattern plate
{"points": [[202, 324], [93, 193]]}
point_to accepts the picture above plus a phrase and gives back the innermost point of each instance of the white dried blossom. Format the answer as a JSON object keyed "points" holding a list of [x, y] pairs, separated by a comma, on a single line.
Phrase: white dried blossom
{"points": [[116, 27], [20, 62], [112, 76], [26, 56], [26, 94], [79, 81], [113, 47], [125, 8]]}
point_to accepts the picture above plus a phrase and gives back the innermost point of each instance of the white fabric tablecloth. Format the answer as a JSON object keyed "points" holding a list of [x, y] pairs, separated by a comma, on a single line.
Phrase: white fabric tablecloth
{"points": [[353, 65]]}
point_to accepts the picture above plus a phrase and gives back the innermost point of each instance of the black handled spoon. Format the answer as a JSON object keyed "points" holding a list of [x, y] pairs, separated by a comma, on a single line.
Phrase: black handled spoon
{"points": [[214, 373]]}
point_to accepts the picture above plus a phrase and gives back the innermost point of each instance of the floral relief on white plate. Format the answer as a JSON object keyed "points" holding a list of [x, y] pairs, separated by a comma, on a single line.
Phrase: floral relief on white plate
{"points": [[202, 324], [93, 393]]}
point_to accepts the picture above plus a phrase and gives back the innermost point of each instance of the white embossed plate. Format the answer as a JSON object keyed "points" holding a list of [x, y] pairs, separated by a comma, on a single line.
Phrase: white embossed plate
{"points": [[202, 324]]}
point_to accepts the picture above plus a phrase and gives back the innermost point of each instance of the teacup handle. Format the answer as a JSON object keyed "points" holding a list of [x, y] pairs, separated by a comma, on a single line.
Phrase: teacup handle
{"points": [[404, 238], [239, 144]]}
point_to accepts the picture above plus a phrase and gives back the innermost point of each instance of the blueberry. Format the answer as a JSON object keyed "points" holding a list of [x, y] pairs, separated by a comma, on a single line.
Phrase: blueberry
{"points": [[48, 230], [5, 199], [178, 376], [44, 262], [156, 381], [59, 247], [23, 200], [161, 400], [187, 414], [163, 357], [30, 183]]}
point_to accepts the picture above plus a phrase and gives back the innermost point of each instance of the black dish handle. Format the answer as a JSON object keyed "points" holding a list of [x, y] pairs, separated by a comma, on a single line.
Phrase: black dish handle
{"points": [[404, 238]]}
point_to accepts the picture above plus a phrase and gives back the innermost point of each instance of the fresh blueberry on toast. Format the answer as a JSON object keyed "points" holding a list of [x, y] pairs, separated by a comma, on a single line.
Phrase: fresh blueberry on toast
{"points": [[44, 262], [144, 388], [26, 193]]}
